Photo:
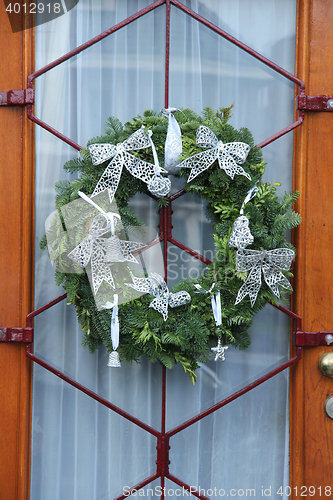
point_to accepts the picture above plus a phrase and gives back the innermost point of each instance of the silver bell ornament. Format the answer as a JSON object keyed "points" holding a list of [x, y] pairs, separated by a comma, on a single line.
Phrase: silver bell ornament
{"points": [[114, 360], [113, 252], [241, 235]]}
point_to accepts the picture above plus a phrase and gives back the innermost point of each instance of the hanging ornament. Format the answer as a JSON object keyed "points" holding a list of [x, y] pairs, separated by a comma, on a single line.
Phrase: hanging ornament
{"points": [[120, 157], [158, 186], [114, 355], [241, 235], [217, 313], [101, 252], [156, 285], [229, 155], [270, 263], [173, 142], [219, 351], [215, 301]]}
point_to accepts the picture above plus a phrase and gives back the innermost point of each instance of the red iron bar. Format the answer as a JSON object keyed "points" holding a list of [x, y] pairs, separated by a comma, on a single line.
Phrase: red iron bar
{"points": [[136, 16], [163, 437], [17, 97]]}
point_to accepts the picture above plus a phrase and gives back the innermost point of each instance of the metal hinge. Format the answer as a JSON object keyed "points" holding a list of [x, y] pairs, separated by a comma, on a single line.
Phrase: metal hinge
{"points": [[16, 334], [314, 103], [313, 339], [17, 97]]}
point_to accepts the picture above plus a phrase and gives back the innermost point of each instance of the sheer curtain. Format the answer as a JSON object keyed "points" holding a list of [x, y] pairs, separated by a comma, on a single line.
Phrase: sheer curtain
{"points": [[81, 450]]}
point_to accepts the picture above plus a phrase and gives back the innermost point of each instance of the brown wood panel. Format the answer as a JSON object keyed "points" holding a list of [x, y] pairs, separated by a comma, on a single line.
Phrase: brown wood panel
{"points": [[16, 250], [312, 430]]}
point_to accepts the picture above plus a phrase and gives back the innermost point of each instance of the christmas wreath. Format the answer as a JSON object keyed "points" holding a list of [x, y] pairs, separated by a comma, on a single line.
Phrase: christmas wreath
{"points": [[89, 244]]}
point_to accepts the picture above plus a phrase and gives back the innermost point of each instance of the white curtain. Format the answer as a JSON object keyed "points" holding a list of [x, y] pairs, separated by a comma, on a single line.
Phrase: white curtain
{"points": [[80, 449]]}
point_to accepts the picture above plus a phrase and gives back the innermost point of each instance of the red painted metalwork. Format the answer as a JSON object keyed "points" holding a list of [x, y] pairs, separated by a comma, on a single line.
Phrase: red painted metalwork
{"points": [[167, 54], [16, 334], [165, 235], [17, 97], [163, 437], [136, 16], [314, 103], [313, 339]]}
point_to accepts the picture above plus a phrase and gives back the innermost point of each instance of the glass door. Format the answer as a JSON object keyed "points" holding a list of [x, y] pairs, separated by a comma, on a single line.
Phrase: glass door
{"points": [[80, 449]]}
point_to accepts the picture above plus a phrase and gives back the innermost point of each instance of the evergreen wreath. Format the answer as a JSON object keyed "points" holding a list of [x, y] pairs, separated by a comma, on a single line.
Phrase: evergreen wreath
{"points": [[190, 332]]}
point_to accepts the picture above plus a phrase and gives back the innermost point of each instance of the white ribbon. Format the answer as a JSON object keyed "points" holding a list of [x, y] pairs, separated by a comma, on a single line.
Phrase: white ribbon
{"points": [[109, 215], [94, 248], [216, 307], [215, 301], [251, 194], [173, 143], [114, 321], [156, 162]]}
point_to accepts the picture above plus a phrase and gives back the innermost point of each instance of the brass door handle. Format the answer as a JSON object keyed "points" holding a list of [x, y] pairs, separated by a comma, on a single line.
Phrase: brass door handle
{"points": [[325, 364]]}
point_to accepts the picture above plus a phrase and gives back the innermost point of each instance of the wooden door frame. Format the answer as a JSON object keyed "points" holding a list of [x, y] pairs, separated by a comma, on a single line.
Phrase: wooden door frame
{"points": [[16, 259], [311, 430]]}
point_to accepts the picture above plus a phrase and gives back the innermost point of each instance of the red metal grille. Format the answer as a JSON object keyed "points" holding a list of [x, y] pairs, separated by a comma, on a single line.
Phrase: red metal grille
{"points": [[163, 437]]}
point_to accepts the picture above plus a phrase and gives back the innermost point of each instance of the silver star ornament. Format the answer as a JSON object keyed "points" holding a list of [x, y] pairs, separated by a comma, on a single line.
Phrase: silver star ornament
{"points": [[219, 351]]}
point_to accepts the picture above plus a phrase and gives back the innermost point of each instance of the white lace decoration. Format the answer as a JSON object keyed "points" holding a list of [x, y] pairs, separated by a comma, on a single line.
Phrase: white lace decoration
{"points": [[229, 155], [114, 356], [101, 252], [173, 142], [158, 186], [219, 351], [270, 263], [241, 235], [120, 157], [156, 285]]}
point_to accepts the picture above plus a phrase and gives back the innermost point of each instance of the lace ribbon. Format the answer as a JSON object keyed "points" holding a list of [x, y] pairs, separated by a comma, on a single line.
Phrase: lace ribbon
{"points": [[156, 285], [270, 263], [120, 157], [229, 155], [101, 252]]}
